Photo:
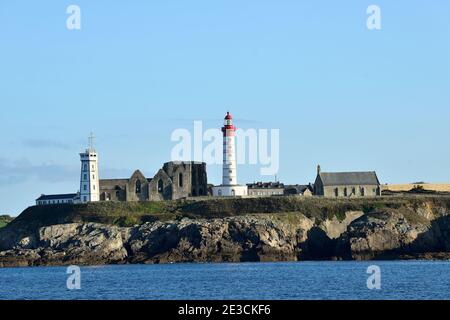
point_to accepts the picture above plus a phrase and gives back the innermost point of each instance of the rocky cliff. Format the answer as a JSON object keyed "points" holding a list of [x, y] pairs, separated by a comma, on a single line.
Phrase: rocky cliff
{"points": [[390, 229]]}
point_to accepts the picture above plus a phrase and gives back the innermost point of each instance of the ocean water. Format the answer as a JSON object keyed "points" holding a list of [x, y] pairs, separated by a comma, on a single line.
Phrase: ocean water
{"points": [[279, 281]]}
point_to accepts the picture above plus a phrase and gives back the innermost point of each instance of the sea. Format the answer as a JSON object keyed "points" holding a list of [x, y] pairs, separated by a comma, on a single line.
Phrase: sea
{"points": [[368, 280]]}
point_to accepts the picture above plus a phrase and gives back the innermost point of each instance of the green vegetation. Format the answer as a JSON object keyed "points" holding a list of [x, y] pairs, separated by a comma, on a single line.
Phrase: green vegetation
{"points": [[4, 220], [127, 214]]}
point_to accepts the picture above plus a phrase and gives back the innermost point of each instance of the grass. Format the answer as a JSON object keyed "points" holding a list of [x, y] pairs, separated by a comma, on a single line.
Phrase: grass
{"points": [[126, 214], [4, 220]]}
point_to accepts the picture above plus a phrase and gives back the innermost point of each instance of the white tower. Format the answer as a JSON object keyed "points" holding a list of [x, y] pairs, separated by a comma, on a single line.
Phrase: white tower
{"points": [[229, 174], [89, 181], [229, 186]]}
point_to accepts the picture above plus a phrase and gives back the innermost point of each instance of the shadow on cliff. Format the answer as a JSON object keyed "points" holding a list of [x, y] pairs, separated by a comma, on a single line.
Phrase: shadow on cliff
{"points": [[435, 240], [318, 246], [429, 244]]}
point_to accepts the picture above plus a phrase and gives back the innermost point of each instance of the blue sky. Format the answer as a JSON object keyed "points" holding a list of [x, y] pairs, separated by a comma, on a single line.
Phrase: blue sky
{"points": [[341, 95]]}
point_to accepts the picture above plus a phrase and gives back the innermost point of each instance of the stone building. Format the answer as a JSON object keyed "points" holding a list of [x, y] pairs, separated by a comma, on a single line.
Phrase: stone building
{"points": [[265, 189], [347, 184], [306, 190], [175, 180]]}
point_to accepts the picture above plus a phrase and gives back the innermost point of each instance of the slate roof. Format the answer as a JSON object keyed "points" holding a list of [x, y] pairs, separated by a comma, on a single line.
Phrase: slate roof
{"points": [[57, 196], [265, 185], [349, 178], [299, 188]]}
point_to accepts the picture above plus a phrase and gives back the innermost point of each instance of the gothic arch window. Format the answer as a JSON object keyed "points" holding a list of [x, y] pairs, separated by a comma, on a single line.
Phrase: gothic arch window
{"points": [[362, 191], [345, 192], [336, 192], [138, 186], [180, 180], [160, 186]]}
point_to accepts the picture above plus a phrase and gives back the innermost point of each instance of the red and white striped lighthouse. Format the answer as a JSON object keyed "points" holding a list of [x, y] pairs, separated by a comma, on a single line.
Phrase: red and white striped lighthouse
{"points": [[229, 186], [229, 176]]}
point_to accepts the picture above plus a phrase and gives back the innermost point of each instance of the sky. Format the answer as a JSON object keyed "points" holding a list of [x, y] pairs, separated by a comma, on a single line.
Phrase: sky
{"points": [[343, 96]]}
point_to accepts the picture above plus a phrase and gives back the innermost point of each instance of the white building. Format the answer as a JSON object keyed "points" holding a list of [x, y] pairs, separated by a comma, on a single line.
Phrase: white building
{"points": [[69, 198], [89, 180], [229, 186]]}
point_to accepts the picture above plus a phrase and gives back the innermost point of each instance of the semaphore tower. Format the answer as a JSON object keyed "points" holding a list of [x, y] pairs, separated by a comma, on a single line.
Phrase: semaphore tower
{"points": [[89, 181]]}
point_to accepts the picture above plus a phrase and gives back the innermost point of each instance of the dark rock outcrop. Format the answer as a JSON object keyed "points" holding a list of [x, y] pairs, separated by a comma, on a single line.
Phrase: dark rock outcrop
{"points": [[418, 231]]}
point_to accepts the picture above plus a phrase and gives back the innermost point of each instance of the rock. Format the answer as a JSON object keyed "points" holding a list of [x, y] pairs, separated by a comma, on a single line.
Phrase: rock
{"points": [[393, 235], [247, 238], [422, 231]]}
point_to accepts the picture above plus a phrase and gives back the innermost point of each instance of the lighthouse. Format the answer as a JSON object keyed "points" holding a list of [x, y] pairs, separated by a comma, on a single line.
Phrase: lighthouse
{"points": [[229, 186], [89, 181]]}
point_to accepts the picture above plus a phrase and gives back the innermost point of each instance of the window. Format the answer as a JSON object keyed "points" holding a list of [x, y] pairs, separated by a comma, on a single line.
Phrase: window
{"points": [[85, 167], [180, 180], [336, 192], [233, 193], [345, 192], [220, 192], [93, 177], [354, 191], [93, 187], [85, 176], [85, 187], [138, 186], [362, 191], [160, 186], [85, 198]]}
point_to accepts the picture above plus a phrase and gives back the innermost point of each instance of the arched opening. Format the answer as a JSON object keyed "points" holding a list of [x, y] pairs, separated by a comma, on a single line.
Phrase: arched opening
{"points": [[160, 186], [138, 186], [336, 192], [220, 192], [118, 193], [345, 192], [363, 191], [233, 193], [180, 180]]}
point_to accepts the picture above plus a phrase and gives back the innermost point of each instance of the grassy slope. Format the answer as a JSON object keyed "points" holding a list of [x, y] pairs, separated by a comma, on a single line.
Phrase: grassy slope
{"points": [[4, 220], [130, 213]]}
